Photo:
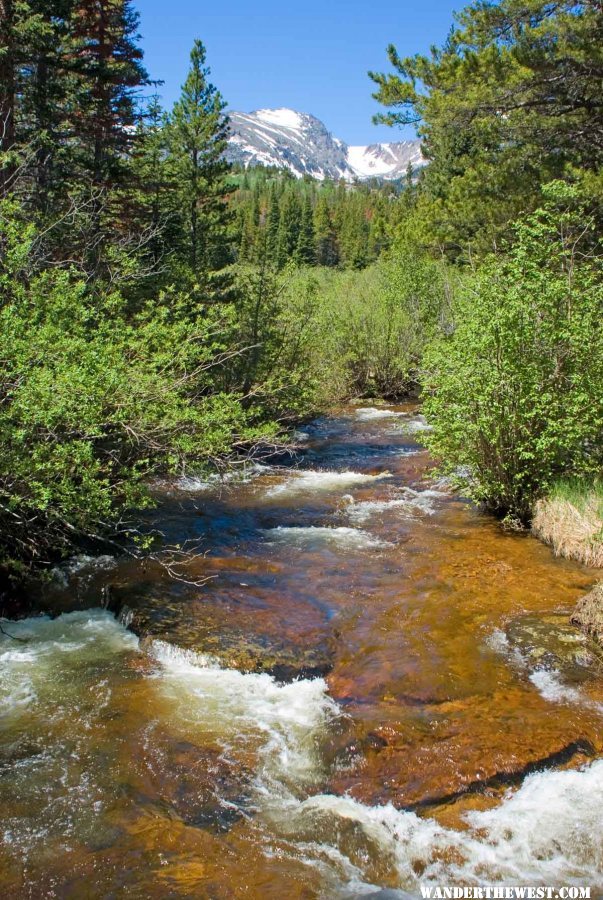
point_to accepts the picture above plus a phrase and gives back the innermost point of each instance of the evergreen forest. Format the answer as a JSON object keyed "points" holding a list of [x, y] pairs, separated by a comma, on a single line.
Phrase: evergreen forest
{"points": [[163, 313]]}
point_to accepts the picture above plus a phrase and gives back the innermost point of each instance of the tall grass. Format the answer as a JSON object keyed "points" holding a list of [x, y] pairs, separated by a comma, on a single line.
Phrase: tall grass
{"points": [[584, 494], [571, 520]]}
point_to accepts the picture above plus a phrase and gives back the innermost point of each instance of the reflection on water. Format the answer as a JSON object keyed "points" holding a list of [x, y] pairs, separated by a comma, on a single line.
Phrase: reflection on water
{"points": [[374, 687]]}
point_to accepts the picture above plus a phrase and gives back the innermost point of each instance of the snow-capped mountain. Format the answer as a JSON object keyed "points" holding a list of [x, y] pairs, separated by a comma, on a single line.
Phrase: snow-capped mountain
{"points": [[301, 143], [385, 160]]}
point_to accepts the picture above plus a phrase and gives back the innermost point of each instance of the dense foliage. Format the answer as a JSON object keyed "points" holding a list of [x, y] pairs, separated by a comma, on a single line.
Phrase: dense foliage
{"points": [[374, 325], [161, 312], [282, 219], [513, 99], [510, 110], [516, 391], [128, 350], [96, 399]]}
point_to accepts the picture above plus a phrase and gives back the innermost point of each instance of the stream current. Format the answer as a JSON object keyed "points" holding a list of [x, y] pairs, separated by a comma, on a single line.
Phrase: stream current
{"points": [[364, 685]]}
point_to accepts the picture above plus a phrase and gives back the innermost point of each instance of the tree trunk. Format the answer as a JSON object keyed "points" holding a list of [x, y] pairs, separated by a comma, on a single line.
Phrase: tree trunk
{"points": [[7, 94]]}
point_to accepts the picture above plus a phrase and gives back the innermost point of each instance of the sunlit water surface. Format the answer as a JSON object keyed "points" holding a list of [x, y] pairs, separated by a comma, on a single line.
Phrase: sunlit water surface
{"points": [[376, 688]]}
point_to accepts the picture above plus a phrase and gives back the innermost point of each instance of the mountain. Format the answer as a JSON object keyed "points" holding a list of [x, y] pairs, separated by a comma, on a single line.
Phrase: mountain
{"points": [[301, 143], [385, 160]]}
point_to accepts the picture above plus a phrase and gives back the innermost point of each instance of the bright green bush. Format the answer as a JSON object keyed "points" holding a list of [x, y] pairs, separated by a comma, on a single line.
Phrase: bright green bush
{"points": [[278, 329], [516, 392], [374, 324], [95, 400]]}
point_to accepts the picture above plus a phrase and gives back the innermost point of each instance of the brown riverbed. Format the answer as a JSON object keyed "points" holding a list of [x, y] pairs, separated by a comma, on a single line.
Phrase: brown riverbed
{"points": [[376, 687]]}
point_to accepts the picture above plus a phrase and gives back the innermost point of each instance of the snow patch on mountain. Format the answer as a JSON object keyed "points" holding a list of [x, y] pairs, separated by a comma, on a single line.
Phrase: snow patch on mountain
{"points": [[385, 160], [285, 118], [301, 143]]}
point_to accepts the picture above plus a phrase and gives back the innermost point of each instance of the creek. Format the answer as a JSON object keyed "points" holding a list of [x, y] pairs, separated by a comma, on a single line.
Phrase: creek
{"points": [[362, 685]]}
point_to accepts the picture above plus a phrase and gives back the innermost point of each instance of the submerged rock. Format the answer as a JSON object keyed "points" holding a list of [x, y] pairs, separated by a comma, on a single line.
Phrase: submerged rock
{"points": [[245, 652], [549, 643], [203, 788], [588, 614]]}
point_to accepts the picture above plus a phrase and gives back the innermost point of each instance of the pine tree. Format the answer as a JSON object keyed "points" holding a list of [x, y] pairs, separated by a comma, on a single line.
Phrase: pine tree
{"points": [[8, 66], [272, 225], [249, 233], [107, 65], [327, 253], [32, 89], [152, 177], [354, 232], [305, 252], [198, 132], [289, 228]]}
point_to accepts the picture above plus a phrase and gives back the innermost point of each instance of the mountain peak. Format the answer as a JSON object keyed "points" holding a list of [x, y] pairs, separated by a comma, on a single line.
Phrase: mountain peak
{"points": [[301, 143]]}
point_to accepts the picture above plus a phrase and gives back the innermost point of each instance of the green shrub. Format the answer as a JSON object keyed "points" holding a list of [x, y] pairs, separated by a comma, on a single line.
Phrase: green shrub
{"points": [[371, 326], [95, 400], [516, 392], [277, 328]]}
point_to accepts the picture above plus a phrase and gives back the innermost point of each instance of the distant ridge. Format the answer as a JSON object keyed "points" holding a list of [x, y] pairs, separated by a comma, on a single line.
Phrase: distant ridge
{"points": [[302, 144]]}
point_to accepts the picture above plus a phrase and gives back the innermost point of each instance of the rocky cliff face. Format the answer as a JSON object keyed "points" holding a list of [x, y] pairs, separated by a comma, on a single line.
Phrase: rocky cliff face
{"points": [[301, 143]]}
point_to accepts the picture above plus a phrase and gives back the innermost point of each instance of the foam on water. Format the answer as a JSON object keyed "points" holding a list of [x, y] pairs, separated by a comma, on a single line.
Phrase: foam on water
{"points": [[409, 502], [29, 663], [190, 484], [312, 480], [498, 640], [547, 680], [301, 436], [82, 566], [551, 686], [241, 709], [548, 832], [369, 413], [416, 425], [343, 538], [53, 697], [193, 485], [16, 688]]}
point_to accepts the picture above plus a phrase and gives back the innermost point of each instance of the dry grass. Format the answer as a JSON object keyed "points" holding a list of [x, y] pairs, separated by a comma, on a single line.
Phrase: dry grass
{"points": [[571, 521], [588, 614]]}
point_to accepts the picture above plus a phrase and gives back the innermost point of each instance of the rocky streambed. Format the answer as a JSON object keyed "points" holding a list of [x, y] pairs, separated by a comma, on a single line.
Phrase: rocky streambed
{"points": [[359, 683]]}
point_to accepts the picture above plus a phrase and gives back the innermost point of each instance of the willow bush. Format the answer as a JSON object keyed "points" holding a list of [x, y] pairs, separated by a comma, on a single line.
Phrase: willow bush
{"points": [[515, 393], [96, 399]]}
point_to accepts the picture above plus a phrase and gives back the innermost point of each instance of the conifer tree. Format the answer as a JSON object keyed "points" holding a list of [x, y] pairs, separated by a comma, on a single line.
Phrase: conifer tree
{"points": [[44, 100], [198, 132], [32, 88], [327, 253], [249, 233], [108, 69], [272, 225], [151, 172], [7, 92], [289, 228], [305, 252]]}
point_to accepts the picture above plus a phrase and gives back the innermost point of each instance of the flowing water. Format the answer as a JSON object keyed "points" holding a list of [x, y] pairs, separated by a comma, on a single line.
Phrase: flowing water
{"points": [[361, 686]]}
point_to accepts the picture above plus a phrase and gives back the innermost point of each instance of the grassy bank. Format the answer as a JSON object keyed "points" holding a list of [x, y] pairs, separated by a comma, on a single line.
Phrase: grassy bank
{"points": [[570, 519]]}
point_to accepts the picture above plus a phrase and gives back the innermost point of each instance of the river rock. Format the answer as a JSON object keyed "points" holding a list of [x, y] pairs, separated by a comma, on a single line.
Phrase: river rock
{"points": [[251, 653], [549, 642], [203, 788], [588, 614]]}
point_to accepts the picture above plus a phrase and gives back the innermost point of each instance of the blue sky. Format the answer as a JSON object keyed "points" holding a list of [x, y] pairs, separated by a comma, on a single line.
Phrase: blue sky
{"points": [[311, 55]]}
